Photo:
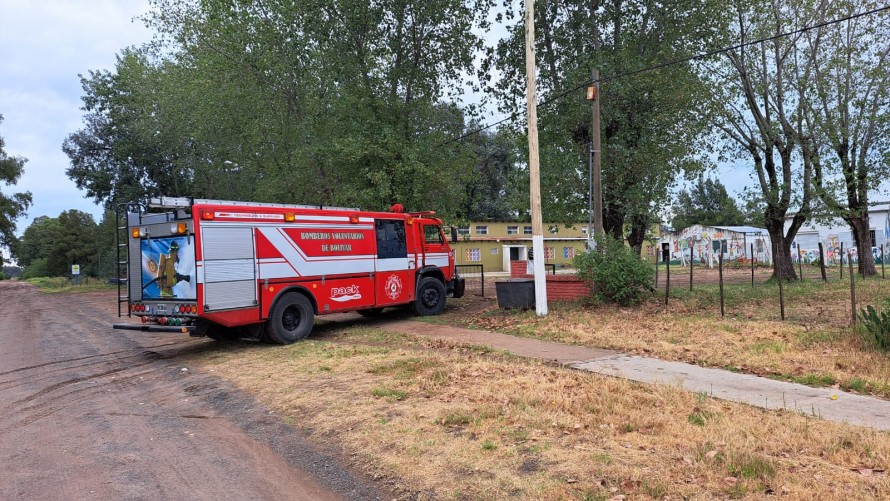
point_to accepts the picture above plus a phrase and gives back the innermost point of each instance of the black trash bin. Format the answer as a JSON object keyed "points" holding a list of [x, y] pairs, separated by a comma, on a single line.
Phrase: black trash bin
{"points": [[516, 293]]}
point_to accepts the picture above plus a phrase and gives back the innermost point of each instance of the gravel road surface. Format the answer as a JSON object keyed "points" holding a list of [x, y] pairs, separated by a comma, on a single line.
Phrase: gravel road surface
{"points": [[87, 412]]}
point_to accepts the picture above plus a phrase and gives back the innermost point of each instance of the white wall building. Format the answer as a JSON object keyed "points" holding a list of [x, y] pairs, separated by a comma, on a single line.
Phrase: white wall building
{"points": [[836, 232]]}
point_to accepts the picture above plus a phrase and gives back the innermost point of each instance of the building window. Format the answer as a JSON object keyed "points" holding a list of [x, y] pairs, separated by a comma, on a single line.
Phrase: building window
{"points": [[568, 252], [526, 230], [482, 230], [493, 251], [554, 229], [463, 230], [874, 241], [549, 252], [584, 230], [512, 230], [472, 255]]}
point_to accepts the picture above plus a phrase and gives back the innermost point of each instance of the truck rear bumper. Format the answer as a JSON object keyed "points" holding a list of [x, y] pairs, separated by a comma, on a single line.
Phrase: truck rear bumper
{"points": [[155, 328]]}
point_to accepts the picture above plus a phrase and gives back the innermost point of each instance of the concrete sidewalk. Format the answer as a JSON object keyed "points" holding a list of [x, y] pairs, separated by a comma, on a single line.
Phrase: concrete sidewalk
{"points": [[754, 390]]}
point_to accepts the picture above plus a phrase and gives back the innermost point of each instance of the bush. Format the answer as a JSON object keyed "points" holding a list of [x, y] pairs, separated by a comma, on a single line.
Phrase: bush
{"points": [[875, 327], [37, 268], [615, 273]]}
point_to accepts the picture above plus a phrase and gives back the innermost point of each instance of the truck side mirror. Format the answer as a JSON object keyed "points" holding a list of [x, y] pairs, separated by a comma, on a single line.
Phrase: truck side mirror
{"points": [[453, 234]]}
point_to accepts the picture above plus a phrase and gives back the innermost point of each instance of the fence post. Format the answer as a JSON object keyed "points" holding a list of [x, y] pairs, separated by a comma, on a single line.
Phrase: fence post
{"points": [[752, 266], [482, 272], [777, 267], [667, 280], [800, 261], [822, 262], [690, 268], [882, 262], [657, 254], [842, 260], [852, 289], [720, 267]]}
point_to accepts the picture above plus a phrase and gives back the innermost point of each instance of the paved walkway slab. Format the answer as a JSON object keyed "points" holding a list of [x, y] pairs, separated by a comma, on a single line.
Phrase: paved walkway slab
{"points": [[827, 403], [754, 390]]}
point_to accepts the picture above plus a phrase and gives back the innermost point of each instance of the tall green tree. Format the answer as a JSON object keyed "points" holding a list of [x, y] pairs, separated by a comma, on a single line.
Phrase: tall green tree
{"points": [[49, 246], [653, 123], [706, 203], [760, 88], [11, 206], [848, 112], [336, 103]]}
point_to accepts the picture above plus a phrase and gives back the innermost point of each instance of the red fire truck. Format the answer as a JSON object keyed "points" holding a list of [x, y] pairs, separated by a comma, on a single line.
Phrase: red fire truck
{"points": [[226, 269]]}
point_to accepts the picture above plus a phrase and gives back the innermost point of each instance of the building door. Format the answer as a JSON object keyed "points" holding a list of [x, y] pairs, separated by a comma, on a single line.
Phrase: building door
{"points": [[514, 253]]}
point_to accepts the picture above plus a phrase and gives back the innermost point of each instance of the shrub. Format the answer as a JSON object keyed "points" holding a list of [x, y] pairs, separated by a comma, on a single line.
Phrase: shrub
{"points": [[875, 327], [615, 273], [37, 268]]}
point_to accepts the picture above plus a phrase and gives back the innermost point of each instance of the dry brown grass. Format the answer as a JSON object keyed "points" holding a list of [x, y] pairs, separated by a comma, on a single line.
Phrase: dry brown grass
{"points": [[815, 345], [449, 422]]}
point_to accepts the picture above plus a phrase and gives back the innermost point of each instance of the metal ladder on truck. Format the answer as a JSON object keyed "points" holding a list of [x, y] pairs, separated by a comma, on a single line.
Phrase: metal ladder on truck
{"points": [[122, 261]]}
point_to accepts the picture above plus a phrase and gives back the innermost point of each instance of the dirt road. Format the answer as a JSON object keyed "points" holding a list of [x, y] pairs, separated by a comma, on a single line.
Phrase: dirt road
{"points": [[90, 412]]}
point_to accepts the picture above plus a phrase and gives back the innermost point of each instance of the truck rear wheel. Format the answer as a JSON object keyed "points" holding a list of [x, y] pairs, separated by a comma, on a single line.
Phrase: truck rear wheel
{"points": [[290, 319], [430, 298]]}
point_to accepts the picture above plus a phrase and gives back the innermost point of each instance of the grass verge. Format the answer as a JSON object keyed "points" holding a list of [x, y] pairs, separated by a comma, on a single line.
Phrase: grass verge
{"points": [[815, 345], [452, 422], [64, 284]]}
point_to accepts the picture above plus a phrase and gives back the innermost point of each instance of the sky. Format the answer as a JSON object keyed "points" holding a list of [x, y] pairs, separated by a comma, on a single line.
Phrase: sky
{"points": [[44, 46]]}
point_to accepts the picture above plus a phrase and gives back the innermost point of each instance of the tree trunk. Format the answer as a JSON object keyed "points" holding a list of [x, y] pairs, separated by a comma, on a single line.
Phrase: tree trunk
{"points": [[862, 236], [639, 225], [782, 263], [613, 221]]}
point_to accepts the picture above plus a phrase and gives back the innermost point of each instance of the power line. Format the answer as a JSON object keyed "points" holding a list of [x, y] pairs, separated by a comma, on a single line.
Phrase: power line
{"points": [[702, 55]]}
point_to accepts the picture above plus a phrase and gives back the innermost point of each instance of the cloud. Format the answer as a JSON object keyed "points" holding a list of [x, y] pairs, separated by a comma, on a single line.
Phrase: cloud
{"points": [[44, 46]]}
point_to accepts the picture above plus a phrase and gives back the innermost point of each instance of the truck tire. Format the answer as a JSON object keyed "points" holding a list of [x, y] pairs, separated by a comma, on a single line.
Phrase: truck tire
{"points": [[430, 299], [370, 312], [290, 319]]}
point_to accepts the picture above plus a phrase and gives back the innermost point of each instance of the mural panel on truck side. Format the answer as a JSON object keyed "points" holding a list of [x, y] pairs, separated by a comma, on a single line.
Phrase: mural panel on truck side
{"points": [[168, 268]]}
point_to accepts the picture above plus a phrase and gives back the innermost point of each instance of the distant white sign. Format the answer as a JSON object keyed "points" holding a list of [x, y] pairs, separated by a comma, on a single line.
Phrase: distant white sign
{"points": [[75, 269]]}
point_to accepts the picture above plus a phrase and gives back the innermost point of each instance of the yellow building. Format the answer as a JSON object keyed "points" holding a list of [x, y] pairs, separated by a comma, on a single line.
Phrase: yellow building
{"points": [[495, 244]]}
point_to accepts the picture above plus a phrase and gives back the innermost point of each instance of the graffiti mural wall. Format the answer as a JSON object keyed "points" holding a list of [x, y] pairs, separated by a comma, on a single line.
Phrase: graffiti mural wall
{"points": [[702, 244]]}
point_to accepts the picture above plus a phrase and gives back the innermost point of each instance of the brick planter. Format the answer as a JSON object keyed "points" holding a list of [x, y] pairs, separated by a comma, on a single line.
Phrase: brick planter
{"points": [[559, 287]]}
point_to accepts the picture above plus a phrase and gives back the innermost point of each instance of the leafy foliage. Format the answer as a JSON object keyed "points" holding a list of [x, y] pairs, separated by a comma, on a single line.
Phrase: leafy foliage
{"points": [[706, 203], [653, 123], [334, 103], [49, 246], [615, 272], [876, 327], [11, 206]]}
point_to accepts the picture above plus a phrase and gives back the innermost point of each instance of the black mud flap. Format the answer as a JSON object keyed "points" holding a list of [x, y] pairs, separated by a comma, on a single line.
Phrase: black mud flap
{"points": [[458, 287]]}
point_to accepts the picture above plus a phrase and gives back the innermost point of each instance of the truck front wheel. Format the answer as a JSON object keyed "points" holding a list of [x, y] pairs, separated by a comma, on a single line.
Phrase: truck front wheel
{"points": [[290, 319], [430, 298]]}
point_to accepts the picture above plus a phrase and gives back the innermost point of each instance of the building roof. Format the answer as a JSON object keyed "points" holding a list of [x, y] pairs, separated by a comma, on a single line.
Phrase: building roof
{"points": [[743, 229]]}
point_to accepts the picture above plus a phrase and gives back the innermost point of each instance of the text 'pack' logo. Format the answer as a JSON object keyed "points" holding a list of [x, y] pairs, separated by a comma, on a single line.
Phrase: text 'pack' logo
{"points": [[343, 294]]}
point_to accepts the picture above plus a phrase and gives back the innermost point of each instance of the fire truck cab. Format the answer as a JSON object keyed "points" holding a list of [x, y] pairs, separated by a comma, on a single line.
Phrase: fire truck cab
{"points": [[233, 269]]}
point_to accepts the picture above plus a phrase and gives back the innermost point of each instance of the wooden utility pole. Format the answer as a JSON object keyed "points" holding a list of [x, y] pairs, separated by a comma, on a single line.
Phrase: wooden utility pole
{"points": [[534, 162], [593, 95]]}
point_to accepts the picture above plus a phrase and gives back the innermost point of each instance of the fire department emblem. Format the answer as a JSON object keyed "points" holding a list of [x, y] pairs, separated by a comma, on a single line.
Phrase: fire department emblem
{"points": [[393, 287]]}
